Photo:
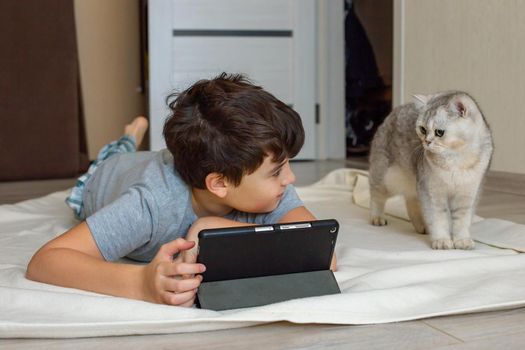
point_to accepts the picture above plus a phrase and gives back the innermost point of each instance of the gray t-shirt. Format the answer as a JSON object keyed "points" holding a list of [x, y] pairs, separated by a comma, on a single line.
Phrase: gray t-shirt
{"points": [[135, 202]]}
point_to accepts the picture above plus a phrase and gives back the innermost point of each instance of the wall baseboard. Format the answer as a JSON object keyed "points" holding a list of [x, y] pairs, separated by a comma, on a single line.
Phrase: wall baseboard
{"points": [[502, 181]]}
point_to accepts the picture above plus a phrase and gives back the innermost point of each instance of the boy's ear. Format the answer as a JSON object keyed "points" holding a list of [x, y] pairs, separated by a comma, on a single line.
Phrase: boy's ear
{"points": [[217, 184]]}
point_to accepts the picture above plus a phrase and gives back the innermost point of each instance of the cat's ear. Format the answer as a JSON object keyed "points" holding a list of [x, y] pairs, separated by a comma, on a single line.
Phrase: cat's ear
{"points": [[463, 106], [421, 100], [460, 109]]}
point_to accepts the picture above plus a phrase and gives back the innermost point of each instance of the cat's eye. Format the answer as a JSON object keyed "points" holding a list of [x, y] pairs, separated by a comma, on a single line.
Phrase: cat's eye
{"points": [[439, 132], [423, 130]]}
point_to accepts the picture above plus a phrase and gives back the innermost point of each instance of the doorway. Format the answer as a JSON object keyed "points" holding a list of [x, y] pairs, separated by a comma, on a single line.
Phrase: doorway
{"points": [[368, 71]]}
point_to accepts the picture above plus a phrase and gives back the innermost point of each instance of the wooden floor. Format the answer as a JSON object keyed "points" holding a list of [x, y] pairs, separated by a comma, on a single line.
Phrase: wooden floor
{"points": [[503, 197]]}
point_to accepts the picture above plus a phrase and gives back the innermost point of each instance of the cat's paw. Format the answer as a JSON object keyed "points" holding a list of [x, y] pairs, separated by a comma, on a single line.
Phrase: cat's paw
{"points": [[378, 220], [465, 243], [442, 244]]}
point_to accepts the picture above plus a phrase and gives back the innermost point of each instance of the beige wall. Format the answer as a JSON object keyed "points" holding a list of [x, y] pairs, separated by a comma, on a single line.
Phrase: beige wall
{"points": [[472, 45], [109, 55]]}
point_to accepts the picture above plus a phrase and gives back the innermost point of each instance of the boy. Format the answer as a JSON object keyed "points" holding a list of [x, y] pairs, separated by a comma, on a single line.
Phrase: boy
{"points": [[228, 143]]}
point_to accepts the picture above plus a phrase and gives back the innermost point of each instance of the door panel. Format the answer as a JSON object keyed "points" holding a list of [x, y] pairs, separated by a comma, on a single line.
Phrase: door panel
{"points": [[191, 61], [273, 42]]}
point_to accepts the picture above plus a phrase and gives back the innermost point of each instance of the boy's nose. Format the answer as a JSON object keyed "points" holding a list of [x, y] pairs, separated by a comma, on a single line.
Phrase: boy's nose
{"points": [[289, 177]]}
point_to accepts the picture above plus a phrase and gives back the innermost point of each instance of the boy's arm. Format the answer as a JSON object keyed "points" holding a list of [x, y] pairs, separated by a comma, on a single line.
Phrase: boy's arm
{"points": [[74, 260], [297, 214]]}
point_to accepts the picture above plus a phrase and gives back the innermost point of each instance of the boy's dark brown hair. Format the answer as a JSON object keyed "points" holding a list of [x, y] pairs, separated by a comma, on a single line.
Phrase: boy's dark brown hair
{"points": [[228, 125]]}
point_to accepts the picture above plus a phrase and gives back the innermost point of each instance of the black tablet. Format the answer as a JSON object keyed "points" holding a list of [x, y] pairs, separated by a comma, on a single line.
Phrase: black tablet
{"points": [[256, 251]]}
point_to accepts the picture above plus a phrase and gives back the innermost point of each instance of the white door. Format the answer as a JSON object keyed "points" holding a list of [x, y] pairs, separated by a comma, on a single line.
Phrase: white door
{"points": [[271, 41]]}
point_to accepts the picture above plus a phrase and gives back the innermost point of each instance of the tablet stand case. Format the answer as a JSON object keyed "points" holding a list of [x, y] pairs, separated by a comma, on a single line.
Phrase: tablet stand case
{"points": [[268, 266], [257, 291]]}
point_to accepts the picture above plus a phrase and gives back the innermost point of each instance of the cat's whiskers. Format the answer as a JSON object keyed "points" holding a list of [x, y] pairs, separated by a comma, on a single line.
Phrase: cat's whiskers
{"points": [[417, 152]]}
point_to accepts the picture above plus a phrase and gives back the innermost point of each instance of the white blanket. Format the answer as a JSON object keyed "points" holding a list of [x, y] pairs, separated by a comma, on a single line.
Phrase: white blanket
{"points": [[386, 274]]}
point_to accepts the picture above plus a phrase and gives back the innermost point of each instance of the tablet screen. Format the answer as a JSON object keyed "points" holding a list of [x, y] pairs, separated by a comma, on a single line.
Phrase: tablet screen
{"points": [[254, 251]]}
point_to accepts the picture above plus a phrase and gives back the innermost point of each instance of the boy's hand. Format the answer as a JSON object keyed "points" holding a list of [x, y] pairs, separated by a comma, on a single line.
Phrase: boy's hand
{"points": [[333, 264], [163, 276]]}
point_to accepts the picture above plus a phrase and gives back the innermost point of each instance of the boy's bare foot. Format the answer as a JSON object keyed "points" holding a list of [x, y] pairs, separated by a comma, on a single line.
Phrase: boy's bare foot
{"points": [[137, 128]]}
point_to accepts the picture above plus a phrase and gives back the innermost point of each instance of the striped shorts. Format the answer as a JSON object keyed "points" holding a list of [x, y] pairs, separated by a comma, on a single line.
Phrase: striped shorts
{"points": [[125, 144]]}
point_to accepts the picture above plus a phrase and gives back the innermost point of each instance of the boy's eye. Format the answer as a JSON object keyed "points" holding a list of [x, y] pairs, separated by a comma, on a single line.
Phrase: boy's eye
{"points": [[277, 173], [423, 130], [439, 132]]}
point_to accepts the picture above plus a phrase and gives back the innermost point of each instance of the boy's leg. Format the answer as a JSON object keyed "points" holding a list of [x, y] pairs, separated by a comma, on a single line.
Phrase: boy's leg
{"points": [[129, 142]]}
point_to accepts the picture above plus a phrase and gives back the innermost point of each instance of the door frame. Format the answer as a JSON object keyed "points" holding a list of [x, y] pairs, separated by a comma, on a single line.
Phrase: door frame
{"points": [[331, 131], [398, 84]]}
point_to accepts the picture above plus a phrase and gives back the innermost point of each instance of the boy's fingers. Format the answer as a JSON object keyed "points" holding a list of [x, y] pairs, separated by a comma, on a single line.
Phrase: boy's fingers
{"points": [[180, 285], [180, 268], [173, 247], [181, 299], [333, 264], [190, 255], [189, 303], [192, 276]]}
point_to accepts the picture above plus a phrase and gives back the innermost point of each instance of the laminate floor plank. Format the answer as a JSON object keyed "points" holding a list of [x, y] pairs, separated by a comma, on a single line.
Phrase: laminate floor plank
{"points": [[481, 325], [405, 335], [514, 341], [502, 205]]}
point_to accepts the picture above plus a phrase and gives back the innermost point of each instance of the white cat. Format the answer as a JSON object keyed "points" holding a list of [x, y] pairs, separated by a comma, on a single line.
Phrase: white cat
{"points": [[435, 152]]}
